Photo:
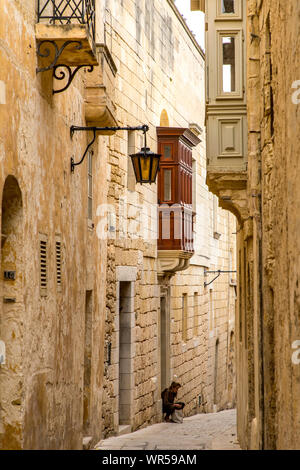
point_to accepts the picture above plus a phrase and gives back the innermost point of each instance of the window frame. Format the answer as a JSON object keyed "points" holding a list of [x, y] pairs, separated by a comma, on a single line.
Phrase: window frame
{"points": [[238, 15], [239, 76], [164, 200]]}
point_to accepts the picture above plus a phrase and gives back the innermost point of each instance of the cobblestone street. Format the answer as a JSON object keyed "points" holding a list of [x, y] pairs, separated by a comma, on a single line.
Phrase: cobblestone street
{"points": [[214, 431]]}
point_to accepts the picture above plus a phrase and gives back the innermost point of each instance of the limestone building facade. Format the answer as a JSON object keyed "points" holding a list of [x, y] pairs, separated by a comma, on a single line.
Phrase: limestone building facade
{"points": [[53, 266], [162, 324], [258, 182], [95, 319]]}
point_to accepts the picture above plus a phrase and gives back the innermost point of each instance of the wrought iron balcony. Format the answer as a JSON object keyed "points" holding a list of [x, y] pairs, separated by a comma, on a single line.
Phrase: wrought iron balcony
{"points": [[65, 35], [65, 12]]}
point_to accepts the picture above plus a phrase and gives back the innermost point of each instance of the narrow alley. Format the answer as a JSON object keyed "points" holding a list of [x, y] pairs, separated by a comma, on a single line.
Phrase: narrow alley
{"points": [[149, 215], [212, 431]]}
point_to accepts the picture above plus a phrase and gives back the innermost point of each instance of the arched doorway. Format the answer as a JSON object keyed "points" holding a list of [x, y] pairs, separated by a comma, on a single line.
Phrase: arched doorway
{"points": [[11, 316]]}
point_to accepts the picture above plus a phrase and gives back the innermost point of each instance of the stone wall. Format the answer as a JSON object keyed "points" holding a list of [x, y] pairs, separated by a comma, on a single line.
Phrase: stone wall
{"points": [[41, 384], [147, 44], [67, 342], [268, 373]]}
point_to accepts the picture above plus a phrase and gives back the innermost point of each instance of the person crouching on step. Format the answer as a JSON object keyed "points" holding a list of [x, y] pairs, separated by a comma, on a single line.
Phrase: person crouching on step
{"points": [[168, 396]]}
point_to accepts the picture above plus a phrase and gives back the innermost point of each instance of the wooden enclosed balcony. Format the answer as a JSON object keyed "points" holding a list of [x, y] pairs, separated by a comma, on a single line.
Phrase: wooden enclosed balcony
{"points": [[175, 210], [176, 228]]}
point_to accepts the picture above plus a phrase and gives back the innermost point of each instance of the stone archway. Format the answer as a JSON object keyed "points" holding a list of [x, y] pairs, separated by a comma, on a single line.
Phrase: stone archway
{"points": [[11, 316]]}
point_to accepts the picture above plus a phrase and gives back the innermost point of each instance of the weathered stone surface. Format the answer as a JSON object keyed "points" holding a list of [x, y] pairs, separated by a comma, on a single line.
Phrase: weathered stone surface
{"points": [[149, 86], [267, 321]]}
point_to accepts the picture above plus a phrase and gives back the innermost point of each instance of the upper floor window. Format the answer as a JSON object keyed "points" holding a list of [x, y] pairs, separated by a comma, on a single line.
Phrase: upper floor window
{"points": [[228, 6], [228, 50], [229, 10], [230, 68]]}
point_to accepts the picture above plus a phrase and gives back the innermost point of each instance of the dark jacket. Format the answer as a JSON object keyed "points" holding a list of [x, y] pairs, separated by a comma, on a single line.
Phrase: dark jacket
{"points": [[168, 398]]}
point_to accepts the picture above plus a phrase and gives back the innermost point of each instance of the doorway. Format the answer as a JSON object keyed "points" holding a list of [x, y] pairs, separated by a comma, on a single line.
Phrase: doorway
{"points": [[216, 372], [126, 326], [164, 339], [87, 361], [11, 317]]}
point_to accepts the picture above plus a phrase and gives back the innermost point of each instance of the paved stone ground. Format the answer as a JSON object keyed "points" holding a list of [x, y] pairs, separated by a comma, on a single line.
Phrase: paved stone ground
{"points": [[213, 431]]}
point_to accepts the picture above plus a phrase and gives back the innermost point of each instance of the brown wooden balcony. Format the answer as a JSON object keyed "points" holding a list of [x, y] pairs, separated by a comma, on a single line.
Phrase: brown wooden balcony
{"points": [[175, 228], [175, 236]]}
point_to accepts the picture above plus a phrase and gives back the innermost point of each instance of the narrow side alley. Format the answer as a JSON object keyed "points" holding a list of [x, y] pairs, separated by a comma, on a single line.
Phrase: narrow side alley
{"points": [[212, 431]]}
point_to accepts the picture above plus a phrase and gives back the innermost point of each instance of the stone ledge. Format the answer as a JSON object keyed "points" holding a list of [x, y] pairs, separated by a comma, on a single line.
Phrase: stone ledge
{"points": [[231, 189], [171, 261], [60, 34]]}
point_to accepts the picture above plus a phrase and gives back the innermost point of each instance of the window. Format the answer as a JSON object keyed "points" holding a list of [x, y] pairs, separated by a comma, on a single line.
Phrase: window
{"points": [[196, 313], [229, 10], [184, 316], [228, 6], [167, 152], [230, 81], [228, 51], [90, 187], [167, 185]]}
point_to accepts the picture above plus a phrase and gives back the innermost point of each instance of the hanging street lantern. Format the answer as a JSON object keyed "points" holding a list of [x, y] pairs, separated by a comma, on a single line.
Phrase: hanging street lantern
{"points": [[145, 163]]}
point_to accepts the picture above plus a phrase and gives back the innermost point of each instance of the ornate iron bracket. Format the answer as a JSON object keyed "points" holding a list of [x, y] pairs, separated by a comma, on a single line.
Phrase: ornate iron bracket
{"points": [[54, 67], [58, 52], [73, 129], [214, 272], [71, 75]]}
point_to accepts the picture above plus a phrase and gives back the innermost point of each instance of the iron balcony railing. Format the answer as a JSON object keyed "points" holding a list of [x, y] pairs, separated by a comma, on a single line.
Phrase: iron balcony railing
{"points": [[68, 12]]}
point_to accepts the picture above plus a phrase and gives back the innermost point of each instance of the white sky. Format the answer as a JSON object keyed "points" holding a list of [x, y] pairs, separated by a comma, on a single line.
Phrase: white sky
{"points": [[195, 20]]}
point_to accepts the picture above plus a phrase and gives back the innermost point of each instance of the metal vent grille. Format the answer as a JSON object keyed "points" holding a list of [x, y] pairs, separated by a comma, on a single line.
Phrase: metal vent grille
{"points": [[43, 264], [58, 262]]}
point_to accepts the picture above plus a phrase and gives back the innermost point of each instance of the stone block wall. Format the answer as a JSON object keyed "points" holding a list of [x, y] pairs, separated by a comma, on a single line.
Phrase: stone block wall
{"points": [[150, 84], [268, 376], [43, 327]]}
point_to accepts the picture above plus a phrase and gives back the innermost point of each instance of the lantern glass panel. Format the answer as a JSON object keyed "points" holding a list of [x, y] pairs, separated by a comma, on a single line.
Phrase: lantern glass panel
{"points": [[154, 168], [145, 167], [136, 167]]}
